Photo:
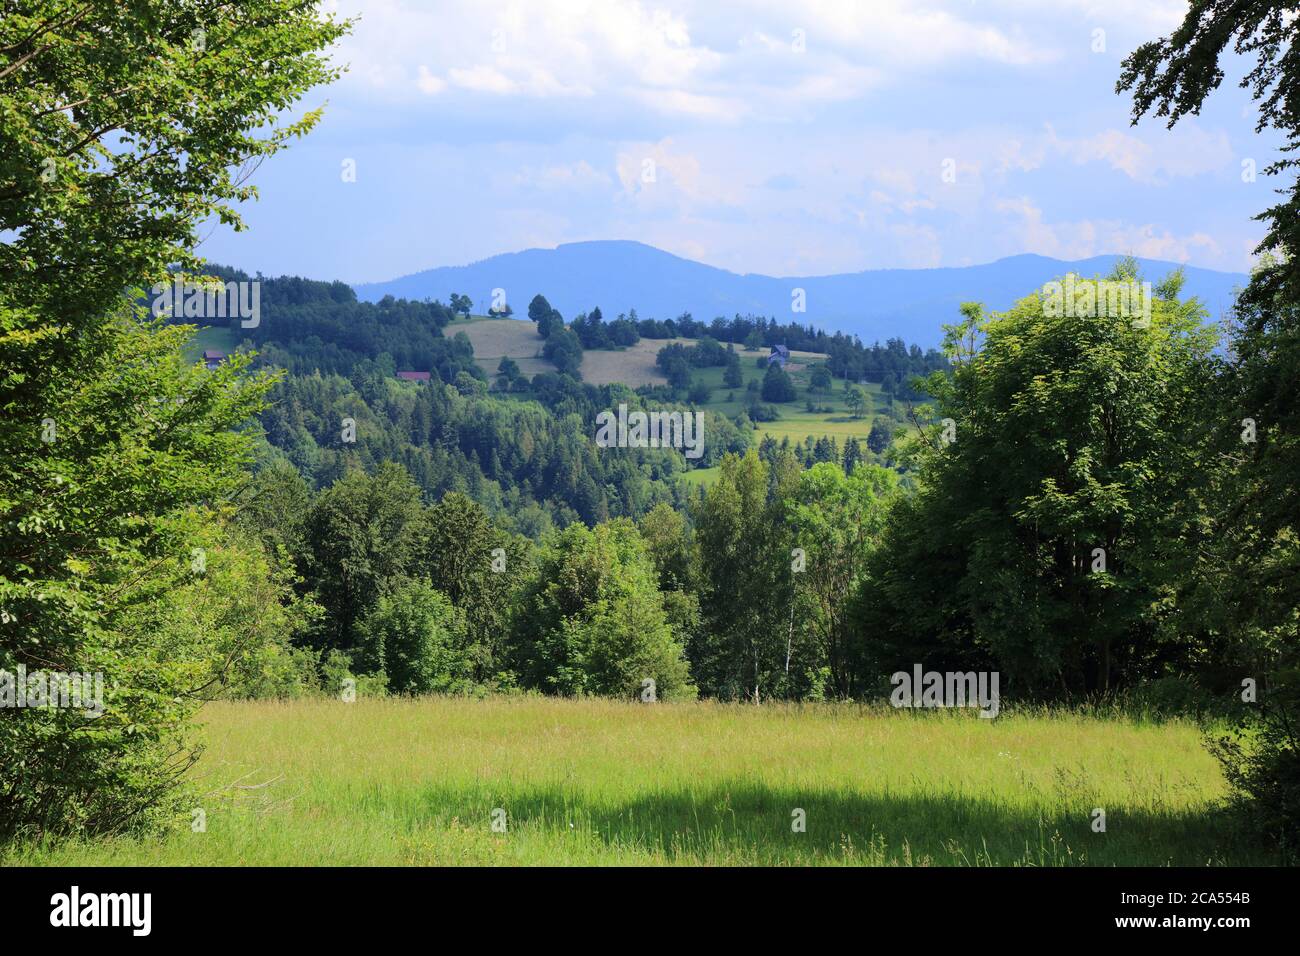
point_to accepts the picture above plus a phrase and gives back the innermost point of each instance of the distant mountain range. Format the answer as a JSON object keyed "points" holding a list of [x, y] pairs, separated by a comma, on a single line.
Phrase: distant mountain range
{"points": [[875, 305]]}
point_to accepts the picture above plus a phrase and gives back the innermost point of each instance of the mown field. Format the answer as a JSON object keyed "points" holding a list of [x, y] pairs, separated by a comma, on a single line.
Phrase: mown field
{"points": [[601, 782]]}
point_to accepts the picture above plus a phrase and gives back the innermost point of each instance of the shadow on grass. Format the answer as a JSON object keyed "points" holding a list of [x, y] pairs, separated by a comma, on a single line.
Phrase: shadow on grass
{"points": [[748, 822]]}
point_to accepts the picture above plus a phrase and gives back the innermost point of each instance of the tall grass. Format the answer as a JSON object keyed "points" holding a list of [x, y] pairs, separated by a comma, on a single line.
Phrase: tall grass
{"points": [[605, 782]]}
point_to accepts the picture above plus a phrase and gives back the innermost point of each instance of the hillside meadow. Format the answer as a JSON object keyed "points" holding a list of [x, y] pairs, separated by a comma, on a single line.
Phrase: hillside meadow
{"points": [[634, 366], [416, 782]]}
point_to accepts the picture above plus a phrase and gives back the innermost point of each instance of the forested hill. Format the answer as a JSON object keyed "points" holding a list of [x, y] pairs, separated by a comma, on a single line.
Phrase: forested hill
{"points": [[521, 445]]}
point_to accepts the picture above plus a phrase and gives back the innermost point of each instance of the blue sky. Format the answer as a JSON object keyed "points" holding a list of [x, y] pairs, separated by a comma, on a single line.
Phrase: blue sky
{"points": [[786, 138]]}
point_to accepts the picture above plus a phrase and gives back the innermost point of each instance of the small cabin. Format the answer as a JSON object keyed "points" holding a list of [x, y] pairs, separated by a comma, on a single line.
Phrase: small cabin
{"points": [[213, 357], [413, 376], [778, 356]]}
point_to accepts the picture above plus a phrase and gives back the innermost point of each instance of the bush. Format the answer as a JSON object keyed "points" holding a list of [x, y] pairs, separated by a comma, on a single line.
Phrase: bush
{"points": [[1261, 761]]}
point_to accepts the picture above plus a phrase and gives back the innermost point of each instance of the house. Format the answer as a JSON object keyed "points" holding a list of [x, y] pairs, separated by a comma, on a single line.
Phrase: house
{"points": [[778, 356], [413, 376], [213, 357]]}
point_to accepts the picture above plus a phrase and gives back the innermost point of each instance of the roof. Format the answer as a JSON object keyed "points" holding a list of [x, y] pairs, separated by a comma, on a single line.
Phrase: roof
{"points": [[413, 376], [213, 354], [780, 350]]}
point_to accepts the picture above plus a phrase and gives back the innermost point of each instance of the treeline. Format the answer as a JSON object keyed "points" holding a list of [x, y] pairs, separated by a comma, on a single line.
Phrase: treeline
{"points": [[308, 326], [742, 596], [893, 364]]}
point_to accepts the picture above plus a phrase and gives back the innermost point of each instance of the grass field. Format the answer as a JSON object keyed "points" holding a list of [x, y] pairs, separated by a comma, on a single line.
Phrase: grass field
{"points": [[602, 782]]}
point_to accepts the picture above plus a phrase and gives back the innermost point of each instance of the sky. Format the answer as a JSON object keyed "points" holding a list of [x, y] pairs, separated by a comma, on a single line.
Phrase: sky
{"points": [[783, 138]]}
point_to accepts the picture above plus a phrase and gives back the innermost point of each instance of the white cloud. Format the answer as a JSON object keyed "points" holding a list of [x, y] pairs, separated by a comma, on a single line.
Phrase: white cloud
{"points": [[428, 83], [1187, 150], [695, 59], [1086, 238], [572, 176]]}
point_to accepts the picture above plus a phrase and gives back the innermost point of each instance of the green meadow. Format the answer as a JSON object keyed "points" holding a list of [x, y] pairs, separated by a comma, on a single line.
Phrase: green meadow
{"points": [[417, 781], [220, 337]]}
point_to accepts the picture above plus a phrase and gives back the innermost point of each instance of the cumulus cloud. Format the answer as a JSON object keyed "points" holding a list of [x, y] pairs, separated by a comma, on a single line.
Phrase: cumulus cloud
{"points": [[775, 136], [755, 57]]}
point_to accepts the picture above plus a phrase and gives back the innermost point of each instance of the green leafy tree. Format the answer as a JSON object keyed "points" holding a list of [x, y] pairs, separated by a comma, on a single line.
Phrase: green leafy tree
{"points": [[507, 372], [668, 541], [563, 350], [1246, 583], [480, 568], [838, 521], [120, 134], [745, 581], [542, 315], [732, 376], [858, 401], [363, 534], [593, 621], [881, 435], [414, 636], [777, 386], [1063, 461]]}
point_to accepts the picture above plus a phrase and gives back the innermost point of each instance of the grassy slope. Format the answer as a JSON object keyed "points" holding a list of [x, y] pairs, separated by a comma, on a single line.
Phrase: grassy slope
{"points": [[220, 337], [635, 366], [415, 782]]}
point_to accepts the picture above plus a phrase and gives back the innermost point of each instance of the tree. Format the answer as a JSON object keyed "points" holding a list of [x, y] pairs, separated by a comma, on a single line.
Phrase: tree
{"points": [[777, 386], [881, 435], [480, 568], [1171, 78], [273, 505], [1251, 559], [820, 379], [679, 374], [668, 542], [121, 136], [838, 521], [593, 620], [852, 455], [415, 638], [563, 350], [1064, 459], [507, 372], [238, 619], [732, 376], [745, 593], [460, 304], [542, 315], [362, 535], [858, 401]]}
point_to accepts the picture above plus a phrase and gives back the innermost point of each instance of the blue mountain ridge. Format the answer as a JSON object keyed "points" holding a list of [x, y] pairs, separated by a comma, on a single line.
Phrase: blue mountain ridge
{"points": [[876, 304]]}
